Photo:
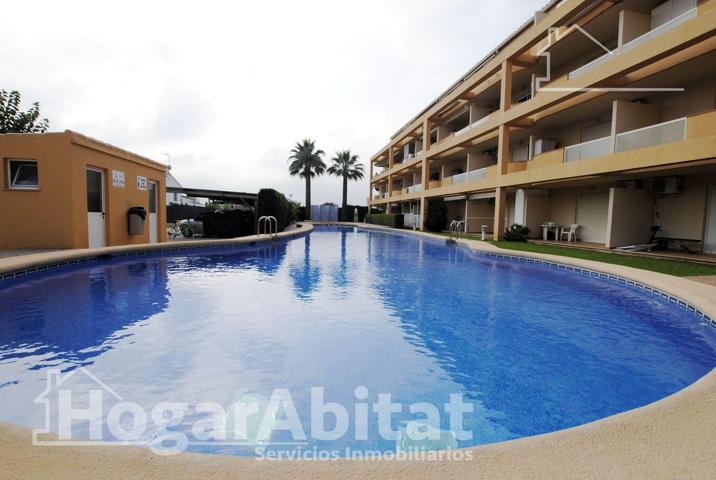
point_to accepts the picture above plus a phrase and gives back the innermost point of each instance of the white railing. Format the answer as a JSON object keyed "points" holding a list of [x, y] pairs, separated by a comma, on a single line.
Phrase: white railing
{"points": [[592, 64], [659, 30], [472, 125], [635, 42], [414, 189], [593, 148], [667, 132], [469, 176], [411, 220]]}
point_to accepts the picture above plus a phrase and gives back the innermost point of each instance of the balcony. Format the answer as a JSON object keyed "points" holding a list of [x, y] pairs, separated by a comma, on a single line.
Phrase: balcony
{"points": [[414, 189], [594, 63], [689, 14], [667, 132], [473, 175], [593, 148]]}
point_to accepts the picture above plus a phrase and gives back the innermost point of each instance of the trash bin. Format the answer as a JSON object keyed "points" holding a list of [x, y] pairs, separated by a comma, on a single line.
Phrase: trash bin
{"points": [[136, 217]]}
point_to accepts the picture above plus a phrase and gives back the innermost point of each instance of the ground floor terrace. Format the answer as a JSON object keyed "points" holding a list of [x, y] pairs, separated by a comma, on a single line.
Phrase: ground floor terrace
{"points": [[605, 211]]}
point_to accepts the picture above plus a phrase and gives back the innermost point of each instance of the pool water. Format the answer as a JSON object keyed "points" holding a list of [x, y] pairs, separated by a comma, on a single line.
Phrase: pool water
{"points": [[532, 349]]}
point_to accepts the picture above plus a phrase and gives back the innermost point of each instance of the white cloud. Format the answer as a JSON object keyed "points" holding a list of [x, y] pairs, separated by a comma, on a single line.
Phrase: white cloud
{"points": [[228, 87]]}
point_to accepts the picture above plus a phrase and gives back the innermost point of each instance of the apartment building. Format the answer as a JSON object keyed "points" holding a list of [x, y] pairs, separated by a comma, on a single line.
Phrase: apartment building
{"points": [[597, 113]]}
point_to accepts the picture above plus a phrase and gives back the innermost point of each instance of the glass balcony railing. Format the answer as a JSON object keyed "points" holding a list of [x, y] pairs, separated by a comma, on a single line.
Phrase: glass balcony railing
{"points": [[469, 176], [667, 132], [593, 148], [659, 30], [414, 189]]}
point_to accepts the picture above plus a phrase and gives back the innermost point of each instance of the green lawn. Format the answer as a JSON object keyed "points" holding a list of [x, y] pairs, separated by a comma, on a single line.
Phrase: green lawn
{"points": [[670, 267]]}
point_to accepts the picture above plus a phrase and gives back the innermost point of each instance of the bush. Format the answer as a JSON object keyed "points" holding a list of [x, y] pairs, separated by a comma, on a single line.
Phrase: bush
{"points": [[271, 203], [347, 216], [386, 219], [228, 223], [436, 216], [516, 233]]}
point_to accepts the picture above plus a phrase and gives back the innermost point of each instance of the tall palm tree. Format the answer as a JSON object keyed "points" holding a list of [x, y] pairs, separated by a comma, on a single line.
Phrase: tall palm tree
{"points": [[306, 162], [346, 165]]}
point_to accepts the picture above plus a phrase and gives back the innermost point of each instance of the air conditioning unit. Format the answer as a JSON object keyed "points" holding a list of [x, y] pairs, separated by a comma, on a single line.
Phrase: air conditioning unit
{"points": [[666, 185], [543, 145]]}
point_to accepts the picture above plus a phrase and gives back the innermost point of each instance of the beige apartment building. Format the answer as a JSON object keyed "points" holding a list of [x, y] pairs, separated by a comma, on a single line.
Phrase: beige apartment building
{"points": [[597, 113]]}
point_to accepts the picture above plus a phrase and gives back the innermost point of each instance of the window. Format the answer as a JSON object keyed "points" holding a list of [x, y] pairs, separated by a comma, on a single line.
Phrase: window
{"points": [[22, 174]]}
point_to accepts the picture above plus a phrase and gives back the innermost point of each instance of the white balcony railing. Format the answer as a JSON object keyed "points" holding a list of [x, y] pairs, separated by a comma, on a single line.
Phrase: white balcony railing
{"points": [[593, 148], [469, 176], [414, 189], [637, 41], [592, 64], [667, 132], [659, 30], [472, 125]]}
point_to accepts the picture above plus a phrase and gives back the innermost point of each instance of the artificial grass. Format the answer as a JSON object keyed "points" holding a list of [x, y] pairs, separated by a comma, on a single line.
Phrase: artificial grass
{"points": [[677, 268]]}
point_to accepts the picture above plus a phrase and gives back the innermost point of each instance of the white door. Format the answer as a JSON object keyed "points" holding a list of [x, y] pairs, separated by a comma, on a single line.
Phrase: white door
{"points": [[710, 231], [153, 226], [96, 229], [592, 213]]}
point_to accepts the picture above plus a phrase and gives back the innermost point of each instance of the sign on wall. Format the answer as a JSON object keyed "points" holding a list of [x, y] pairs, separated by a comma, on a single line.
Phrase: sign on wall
{"points": [[117, 178], [141, 183]]}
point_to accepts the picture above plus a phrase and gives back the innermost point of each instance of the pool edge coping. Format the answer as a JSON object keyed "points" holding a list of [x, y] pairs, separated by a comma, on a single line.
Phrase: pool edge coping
{"points": [[636, 441]]}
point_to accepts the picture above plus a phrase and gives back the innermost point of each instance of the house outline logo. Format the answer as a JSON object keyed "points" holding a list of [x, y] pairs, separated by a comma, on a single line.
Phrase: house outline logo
{"points": [[554, 33], [55, 379]]}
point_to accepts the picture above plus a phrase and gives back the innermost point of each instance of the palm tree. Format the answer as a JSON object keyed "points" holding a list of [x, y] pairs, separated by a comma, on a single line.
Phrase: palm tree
{"points": [[346, 165], [306, 163]]}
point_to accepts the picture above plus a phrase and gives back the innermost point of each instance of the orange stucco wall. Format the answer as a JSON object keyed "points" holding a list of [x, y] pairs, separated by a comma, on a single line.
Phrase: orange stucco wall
{"points": [[55, 215]]}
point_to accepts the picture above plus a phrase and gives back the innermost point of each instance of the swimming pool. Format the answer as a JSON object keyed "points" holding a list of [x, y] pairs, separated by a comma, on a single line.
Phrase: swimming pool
{"points": [[359, 313]]}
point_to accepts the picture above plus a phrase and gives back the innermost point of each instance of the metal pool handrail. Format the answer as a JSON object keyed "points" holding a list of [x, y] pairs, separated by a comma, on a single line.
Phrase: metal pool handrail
{"points": [[270, 226]]}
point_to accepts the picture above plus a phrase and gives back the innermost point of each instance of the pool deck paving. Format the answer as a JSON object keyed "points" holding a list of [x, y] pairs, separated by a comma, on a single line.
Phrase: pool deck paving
{"points": [[672, 438]]}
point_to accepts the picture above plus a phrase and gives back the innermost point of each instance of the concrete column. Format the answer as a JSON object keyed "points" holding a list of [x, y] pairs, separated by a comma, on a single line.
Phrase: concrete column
{"points": [[506, 85], [370, 184], [390, 158], [426, 135], [500, 213], [423, 209], [503, 149]]}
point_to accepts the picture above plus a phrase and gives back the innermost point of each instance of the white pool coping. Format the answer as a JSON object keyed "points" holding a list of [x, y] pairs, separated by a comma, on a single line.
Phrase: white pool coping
{"points": [[672, 438]]}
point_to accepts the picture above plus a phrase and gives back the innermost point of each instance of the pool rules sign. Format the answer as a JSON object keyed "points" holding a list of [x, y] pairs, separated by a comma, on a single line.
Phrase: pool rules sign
{"points": [[141, 183], [118, 178]]}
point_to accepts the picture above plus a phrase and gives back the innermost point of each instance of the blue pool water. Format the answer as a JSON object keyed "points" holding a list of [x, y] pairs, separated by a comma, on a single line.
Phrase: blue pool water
{"points": [[532, 349]]}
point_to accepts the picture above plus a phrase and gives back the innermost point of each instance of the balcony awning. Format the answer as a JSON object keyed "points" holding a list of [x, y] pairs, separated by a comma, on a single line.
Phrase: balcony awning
{"points": [[482, 196]]}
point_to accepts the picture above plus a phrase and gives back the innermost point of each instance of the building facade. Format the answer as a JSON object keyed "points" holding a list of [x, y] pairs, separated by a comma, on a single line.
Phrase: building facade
{"points": [[66, 190], [596, 113]]}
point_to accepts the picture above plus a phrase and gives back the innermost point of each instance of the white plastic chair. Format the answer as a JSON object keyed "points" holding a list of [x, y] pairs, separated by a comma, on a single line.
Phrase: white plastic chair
{"points": [[570, 232]]}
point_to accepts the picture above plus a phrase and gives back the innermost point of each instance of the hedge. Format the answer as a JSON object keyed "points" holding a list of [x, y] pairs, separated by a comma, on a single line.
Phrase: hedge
{"points": [[386, 219], [350, 211], [272, 203], [228, 223], [436, 216]]}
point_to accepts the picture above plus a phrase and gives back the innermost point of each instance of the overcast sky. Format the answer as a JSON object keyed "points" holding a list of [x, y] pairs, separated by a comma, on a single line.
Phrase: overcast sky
{"points": [[227, 88]]}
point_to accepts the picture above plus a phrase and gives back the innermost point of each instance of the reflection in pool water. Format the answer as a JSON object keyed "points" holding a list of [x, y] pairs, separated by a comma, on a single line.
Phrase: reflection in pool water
{"points": [[532, 349]]}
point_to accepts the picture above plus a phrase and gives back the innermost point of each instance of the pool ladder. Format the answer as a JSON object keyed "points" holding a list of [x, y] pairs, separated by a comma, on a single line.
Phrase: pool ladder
{"points": [[457, 229], [268, 225]]}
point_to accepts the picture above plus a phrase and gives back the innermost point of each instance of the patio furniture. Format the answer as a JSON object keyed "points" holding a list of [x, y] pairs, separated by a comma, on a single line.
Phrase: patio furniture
{"points": [[548, 227], [570, 231]]}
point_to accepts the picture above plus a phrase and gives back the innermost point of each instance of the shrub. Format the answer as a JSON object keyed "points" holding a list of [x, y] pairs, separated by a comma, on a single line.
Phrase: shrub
{"points": [[386, 219], [516, 233], [272, 203], [347, 216], [436, 216], [228, 223]]}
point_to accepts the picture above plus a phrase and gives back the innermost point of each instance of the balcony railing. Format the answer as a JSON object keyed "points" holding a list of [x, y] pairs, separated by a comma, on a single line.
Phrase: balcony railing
{"points": [[667, 132], [592, 64], [411, 220], [659, 30], [469, 176], [472, 125], [633, 43], [593, 148], [414, 189]]}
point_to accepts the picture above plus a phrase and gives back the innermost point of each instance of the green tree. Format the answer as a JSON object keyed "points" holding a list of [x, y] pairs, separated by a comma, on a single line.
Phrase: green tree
{"points": [[13, 120], [306, 163], [346, 166]]}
